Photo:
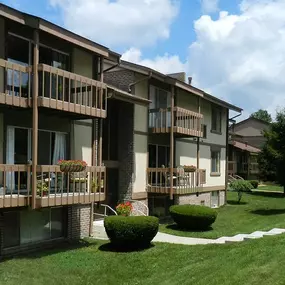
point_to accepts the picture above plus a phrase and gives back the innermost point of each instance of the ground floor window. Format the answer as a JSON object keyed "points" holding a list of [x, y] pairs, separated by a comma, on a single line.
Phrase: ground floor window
{"points": [[30, 226]]}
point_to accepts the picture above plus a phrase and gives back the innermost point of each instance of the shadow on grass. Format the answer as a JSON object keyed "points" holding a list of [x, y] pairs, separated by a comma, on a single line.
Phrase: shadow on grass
{"points": [[268, 212], [47, 250], [268, 194], [175, 227], [234, 202], [109, 247]]}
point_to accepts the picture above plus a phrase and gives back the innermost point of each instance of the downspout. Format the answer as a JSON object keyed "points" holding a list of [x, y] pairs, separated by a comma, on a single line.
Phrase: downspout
{"points": [[139, 81]]}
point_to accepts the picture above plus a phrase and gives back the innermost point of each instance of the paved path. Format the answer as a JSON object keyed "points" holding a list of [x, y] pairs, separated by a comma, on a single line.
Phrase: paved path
{"points": [[162, 237], [100, 233]]}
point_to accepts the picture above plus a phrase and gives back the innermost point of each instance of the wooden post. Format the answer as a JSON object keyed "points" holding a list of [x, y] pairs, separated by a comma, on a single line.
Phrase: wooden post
{"points": [[227, 156], [198, 146], [35, 118], [172, 142]]}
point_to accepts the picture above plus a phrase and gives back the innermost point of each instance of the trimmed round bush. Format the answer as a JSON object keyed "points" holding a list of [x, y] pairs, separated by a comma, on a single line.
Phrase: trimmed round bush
{"points": [[193, 217], [254, 183], [133, 231]]}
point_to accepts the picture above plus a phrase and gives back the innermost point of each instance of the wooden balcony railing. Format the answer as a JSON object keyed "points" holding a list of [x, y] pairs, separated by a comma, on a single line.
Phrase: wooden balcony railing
{"points": [[69, 188], [15, 84], [54, 187], [185, 122], [63, 90], [15, 185], [158, 180]]}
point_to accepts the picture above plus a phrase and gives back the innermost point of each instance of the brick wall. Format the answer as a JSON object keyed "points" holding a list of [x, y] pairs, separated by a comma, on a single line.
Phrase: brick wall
{"points": [[201, 199], [78, 221], [126, 150], [120, 79]]}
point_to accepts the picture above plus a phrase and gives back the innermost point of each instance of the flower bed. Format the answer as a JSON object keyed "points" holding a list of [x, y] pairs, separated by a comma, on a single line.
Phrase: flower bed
{"points": [[124, 209]]}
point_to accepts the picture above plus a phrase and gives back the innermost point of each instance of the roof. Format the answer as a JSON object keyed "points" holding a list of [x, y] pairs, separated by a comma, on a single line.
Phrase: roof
{"points": [[127, 97], [58, 31], [251, 119], [178, 83], [245, 147]]}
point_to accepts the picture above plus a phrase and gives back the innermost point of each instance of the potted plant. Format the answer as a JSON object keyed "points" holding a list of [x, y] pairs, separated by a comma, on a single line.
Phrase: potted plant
{"points": [[42, 188], [95, 188], [72, 165], [189, 168], [124, 209]]}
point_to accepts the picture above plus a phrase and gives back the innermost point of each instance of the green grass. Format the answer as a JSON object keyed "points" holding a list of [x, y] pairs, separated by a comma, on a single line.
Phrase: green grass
{"points": [[254, 262], [256, 212], [275, 188]]}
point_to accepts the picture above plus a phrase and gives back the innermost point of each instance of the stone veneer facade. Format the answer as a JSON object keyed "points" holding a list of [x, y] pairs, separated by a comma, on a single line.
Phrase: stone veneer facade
{"points": [[203, 198]]}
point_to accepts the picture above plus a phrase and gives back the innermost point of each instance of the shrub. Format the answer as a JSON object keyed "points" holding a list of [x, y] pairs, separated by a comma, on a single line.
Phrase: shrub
{"points": [[192, 216], [241, 186], [254, 183], [131, 232]]}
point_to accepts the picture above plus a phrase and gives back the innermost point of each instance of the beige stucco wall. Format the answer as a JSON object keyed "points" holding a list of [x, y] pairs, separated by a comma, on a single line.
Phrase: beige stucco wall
{"points": [[82, 142], [82, 62], [140, 162], [186, 100], [220, 139], [186, 154]]}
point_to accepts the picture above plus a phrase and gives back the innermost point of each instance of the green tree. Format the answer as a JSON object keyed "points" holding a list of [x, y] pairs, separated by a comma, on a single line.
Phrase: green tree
{"points": [[272, 156], [262, 115]]}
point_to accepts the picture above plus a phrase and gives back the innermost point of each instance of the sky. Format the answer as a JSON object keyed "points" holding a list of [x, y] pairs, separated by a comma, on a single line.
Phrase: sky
{"points": [[234, 49]]}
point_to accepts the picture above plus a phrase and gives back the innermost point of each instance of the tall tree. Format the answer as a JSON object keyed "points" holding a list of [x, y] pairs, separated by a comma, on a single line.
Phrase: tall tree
{"points": [[272, 156], [262, 115]]}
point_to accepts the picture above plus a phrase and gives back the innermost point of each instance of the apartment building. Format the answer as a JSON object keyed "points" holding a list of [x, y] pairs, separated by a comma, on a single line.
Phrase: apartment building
{"points": [[53, 102], [183, 126]]}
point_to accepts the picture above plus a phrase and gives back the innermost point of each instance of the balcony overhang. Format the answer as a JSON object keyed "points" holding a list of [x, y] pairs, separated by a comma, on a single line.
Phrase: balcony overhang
{"points": [[121, 95]]}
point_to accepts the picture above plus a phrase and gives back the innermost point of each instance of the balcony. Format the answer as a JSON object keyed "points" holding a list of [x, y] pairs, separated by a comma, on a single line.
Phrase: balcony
{"points": [[69, 92], [186, 122], [55, 188], [158, 180], [58, 89]]}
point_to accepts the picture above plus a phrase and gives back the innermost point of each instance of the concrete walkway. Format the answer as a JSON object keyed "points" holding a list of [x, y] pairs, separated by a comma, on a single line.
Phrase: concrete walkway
{"points": [[100, 233], [162, 237]]}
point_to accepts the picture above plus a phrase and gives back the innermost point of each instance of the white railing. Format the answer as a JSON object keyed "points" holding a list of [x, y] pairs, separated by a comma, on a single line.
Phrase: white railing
{"points": [[106, 207]]}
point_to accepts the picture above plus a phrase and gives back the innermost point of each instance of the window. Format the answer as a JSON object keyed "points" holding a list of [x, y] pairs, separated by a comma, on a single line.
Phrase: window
{"points": [[25, 227], [204, 130], [216, 120], [215, 162], [158, 155]]}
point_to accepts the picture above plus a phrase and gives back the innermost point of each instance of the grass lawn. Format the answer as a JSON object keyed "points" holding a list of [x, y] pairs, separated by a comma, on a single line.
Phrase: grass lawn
{"points": [[256, 212], [275, 188], [251, 262]]}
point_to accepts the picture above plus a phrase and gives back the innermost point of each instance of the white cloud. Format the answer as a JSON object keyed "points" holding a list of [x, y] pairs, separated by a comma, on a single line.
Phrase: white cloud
{"points": [[209, 6], [121, 22], [241, 57], [165, 64]]}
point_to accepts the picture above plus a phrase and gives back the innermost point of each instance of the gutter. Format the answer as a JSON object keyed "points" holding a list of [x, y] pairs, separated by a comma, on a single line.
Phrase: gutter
{"points": [[138, 81], [112, 67]]}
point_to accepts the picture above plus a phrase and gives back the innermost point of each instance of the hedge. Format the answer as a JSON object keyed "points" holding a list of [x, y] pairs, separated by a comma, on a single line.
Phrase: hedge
{"points": [[133, 231], [254, 183], [193, 217]]}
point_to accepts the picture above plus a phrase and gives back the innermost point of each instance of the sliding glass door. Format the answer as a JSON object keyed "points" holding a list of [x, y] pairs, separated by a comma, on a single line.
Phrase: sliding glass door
{"points": [[51, 148]]}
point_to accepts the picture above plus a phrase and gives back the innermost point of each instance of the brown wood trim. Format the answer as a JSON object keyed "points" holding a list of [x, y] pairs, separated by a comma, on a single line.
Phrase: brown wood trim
{"points": [[140, 133], [111, 163], [139, 195], [71, 37], [213, 188]]}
